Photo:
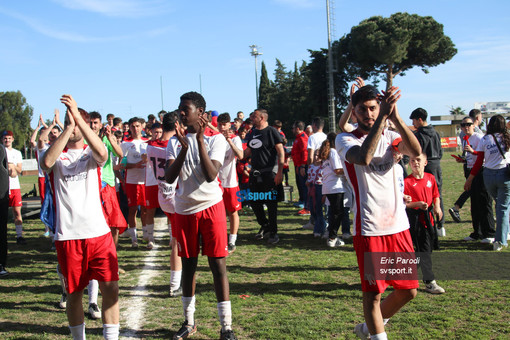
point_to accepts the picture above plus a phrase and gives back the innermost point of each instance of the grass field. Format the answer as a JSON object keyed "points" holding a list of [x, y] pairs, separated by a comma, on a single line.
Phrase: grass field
{"points": [[298, 289]]}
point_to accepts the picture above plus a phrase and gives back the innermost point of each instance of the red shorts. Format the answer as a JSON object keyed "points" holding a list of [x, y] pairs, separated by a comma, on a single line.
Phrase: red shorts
{"points": [[111, 209], [395, 243], [231, 200], [42, 188], [171, 218], [151, 197], [135, 194], [84, 260], [15, 198], [208, 227]]}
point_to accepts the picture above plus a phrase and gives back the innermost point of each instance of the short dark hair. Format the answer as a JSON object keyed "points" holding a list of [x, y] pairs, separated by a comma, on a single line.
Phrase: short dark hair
{"points": [[367, 92], [196, 98], [169, 120], [473, 113], [135, 120], [156, 126], [95, 115], [110, 115], [318, 122], [224, 118], [239, 120], [118, 134], [117, 120], [299, 124], [277, 123], [419, 113]]}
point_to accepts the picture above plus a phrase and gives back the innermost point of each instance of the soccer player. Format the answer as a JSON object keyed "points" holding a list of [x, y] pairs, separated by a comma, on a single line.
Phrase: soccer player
{"points": [[200, 213], [228, 178], [154, 173], [85, 247], [15, 160], [381, 223], [133, 149]]}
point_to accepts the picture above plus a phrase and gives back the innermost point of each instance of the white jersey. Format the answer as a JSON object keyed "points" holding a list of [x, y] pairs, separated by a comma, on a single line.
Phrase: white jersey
{"points": [[156, 156], [133, 149], [194, 193], [474, 140], [331, 182], [76, 180], [14, 156], [379, 207], [492, 156], [315, 140], [38, 155], [228, 173]]}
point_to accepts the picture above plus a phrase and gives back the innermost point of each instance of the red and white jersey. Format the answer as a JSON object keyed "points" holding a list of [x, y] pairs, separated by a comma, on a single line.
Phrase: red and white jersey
{"points": [[331, 182], [156, 161], [194, 193], [492, 156], [227, 173], [379, 208], [14, 156], [76, 181], [133, 150]]}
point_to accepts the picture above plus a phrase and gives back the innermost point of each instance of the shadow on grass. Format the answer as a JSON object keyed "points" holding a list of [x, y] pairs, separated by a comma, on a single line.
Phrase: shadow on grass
{"points": [[36, 330]]}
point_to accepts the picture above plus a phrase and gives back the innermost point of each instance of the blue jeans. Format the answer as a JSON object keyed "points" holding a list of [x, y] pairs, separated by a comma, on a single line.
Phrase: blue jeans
{"points": [[317, 211], [301, 185], [497, 183]]}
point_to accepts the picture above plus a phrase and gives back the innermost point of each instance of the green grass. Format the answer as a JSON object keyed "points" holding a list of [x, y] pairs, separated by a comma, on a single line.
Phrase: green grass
{"points": [[298, 289]]}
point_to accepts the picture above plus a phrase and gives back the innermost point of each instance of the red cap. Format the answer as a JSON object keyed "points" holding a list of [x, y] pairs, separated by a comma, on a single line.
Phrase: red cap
{"points": [[8, 133]]}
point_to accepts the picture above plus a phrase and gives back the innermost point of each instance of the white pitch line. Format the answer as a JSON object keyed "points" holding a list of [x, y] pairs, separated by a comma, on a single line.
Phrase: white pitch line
{"points": [[132, 316]]}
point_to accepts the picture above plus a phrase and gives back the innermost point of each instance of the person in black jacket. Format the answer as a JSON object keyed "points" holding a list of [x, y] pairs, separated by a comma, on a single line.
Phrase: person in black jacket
{"points": [[431, 146]]}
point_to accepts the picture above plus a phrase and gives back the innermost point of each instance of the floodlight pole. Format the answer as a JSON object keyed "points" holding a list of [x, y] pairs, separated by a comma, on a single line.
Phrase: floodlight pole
{"points": [[331, 86], [254, 52]]}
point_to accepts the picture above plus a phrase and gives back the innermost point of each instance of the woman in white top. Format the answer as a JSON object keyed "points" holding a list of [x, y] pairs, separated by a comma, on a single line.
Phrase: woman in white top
{"points": [[494, 149], [332, 188]]}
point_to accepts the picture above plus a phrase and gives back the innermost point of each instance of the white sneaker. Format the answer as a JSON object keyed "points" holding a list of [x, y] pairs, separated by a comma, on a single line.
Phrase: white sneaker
{"points": [[134, 244], [358, 330], [331, 242], [346, 236], [441, 232], [487, 240], [308, 226], [94, 311], [498, 246], [63, 301], [150, 245], [434, 288], [339, 242]]}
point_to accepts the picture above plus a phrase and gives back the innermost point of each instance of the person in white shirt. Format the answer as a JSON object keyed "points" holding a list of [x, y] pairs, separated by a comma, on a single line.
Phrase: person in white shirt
{"points": [[228, 177], [15, 160], [381, 224], [134, 149], [316, 139], [200, 213], [85, 247]]}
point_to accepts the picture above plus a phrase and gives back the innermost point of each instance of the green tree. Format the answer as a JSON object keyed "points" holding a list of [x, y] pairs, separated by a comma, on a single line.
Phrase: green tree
{"points": [[15, 115], [457, 110], [391, 46], [266, 89]]}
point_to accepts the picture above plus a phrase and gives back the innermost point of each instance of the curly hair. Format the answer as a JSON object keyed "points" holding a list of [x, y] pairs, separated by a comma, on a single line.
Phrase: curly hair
{"points": [[196, 98]]}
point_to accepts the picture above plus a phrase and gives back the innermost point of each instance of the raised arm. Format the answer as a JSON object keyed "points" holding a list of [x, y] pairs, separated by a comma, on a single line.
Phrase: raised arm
{"points": [[117, 150], [343, 123], [209, 167], [33, 138], [173, 166], [56, 148]]}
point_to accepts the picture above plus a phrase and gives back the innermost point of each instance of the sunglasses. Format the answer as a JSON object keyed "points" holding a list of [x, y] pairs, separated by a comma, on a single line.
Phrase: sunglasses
{"points": [[465, 124]]}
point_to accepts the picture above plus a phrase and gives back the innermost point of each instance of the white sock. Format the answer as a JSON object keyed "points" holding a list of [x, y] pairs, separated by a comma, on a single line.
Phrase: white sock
{"points": [[225, 314], [150, 232], [144, 232], [232, 238], [78, 332], [111, 331], [62, 281], [175, 279], [93, 289], [188, 306], [132, 233], [19, 230], [380, 336], [385, 321]]}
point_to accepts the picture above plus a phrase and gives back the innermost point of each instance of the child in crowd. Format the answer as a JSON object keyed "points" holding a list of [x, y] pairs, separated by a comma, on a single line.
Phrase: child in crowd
{"points": [[422, 188], [314, 184]]}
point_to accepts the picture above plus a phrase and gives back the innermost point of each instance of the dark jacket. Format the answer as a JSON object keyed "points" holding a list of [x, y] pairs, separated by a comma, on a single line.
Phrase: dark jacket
{"points": [[430, 142]]}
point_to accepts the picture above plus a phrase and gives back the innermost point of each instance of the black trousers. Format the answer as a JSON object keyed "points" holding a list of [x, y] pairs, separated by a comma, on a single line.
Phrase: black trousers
{"points": [[465, 194], [4, 210], [264, 183], [335, 213], [423, 238], [434, 167], [481, 209]]}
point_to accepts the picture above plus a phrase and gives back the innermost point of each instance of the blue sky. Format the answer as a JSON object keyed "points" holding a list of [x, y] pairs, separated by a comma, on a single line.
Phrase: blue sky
{"points": [[110, 55]]}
